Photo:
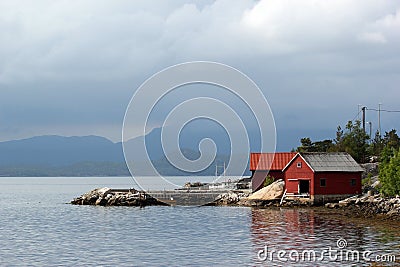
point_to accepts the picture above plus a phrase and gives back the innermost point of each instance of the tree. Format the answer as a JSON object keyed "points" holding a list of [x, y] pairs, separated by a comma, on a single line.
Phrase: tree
{"points": [[376, 146], [391, 139], [323, 146], [308, 146], [389, 171], [339, 136], [353, 141]]}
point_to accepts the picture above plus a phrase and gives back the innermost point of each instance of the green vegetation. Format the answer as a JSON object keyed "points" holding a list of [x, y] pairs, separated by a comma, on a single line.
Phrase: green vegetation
{"points": [[354, 141], [389, 171], [308, 146], [362, 148], [268, 180], [367, 181]]}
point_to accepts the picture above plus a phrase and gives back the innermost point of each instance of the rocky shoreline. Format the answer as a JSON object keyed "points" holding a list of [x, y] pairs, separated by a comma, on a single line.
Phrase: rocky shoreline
{"points": [[112, 197], [369, 206], [357, 206]]}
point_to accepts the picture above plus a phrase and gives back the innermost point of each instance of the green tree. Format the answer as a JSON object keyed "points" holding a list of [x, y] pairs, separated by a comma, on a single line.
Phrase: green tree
{"points": [[389, 171], [337, 144], [306, 145], [320, 146], [323, 146], [376, 146], [353, 141], [268, 180], [391, 139]]}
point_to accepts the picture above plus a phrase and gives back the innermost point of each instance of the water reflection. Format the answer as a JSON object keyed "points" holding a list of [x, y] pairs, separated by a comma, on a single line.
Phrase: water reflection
{"points": [[309, 229]]}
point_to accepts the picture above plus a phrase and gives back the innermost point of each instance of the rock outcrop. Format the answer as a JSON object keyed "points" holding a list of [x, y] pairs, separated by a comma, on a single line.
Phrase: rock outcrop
{"points": [[109, 197], [370, 169], [270, 192], [230, 198], [369, 206]]}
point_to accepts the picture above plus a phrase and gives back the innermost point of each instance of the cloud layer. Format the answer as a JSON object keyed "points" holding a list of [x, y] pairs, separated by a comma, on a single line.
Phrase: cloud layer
{"points": [[70, 67]]}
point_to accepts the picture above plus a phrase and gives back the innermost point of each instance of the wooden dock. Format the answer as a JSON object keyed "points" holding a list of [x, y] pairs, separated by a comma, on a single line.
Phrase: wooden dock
{"points": [[186, 197]]}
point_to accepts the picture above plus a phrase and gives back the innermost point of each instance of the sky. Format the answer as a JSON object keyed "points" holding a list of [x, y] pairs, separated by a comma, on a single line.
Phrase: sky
{"points": [[71, 67]]}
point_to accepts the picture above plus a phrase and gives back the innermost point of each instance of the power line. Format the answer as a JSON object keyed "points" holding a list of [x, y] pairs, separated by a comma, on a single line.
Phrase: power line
{"points": [[373, 109], [384, 110], [356, 116]]}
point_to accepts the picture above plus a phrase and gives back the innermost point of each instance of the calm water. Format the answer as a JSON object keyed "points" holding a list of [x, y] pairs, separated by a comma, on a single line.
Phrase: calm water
{"points": [[37, 228]]}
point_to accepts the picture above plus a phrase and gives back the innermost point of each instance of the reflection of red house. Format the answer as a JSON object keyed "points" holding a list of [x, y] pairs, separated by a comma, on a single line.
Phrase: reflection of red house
{"points": [[317, 176], [263, 164]]}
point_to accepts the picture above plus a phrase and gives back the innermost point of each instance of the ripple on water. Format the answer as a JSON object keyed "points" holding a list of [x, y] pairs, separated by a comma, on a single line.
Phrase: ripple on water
{"points": [[38, 229]]}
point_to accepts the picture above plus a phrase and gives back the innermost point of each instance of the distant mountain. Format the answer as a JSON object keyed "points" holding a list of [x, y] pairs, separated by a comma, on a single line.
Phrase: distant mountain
{"points": [[81, 169], [94, 156], [55, 150]]}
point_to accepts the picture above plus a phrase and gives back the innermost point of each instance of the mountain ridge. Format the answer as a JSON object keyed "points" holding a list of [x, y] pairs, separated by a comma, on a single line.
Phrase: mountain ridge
{"points": [[91, 155]]}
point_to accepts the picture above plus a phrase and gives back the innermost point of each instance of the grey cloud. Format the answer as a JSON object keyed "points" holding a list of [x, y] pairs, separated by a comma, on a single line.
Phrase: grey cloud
{"points": [[81, 61]]}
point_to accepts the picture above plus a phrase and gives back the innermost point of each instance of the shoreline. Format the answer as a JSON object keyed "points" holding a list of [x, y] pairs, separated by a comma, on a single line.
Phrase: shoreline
{"points": [[364, 207], [369, 206]]}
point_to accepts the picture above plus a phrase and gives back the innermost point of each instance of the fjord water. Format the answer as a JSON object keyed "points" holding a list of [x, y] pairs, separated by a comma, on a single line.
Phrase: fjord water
{"points": [[38, 228]]}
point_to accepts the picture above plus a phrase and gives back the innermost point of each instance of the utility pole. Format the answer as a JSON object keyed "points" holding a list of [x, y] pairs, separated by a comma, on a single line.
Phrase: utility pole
{"points": [[379, 118], [363, 118], [363, 124], [370, 129]]}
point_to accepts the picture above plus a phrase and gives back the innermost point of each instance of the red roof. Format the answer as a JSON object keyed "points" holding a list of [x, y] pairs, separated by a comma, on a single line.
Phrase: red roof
{"points": [[270, 161]]}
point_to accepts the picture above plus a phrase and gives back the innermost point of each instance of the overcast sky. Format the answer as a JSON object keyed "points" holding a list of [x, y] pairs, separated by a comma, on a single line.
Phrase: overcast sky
{"points": [[71, 67]]}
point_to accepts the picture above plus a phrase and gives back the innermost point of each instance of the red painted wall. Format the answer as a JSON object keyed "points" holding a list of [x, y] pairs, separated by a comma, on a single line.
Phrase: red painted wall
{"points": [[337, 183], [277, 175], [293, 172]]}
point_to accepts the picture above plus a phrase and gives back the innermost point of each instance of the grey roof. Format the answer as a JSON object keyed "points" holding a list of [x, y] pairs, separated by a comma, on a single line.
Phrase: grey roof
{"points": [[328, 162]]}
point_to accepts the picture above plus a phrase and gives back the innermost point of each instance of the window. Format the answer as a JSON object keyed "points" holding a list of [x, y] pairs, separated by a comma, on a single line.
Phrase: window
{"points": [[298, 164], [353, 182], [322, 182]]}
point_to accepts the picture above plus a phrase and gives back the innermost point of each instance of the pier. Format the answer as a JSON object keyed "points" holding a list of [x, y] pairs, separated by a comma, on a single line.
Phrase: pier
{"points": [[187, 198], [131, 197]]}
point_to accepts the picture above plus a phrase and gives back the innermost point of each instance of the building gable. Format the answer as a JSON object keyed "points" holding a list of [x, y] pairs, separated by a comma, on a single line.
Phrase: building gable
{"points": [[298, 155]]}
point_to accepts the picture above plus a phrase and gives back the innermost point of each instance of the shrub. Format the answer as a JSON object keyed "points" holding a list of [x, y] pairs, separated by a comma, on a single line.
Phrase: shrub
{"points": [[367, 181], [389, 172], [268, 180]]}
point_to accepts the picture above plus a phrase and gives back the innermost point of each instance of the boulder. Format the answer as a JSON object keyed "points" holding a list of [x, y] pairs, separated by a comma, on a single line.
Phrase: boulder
{"points": [[270, 192], [393, 212], [231, 198], [101, 202], [332, 205], [376, 184], [102, 192]]}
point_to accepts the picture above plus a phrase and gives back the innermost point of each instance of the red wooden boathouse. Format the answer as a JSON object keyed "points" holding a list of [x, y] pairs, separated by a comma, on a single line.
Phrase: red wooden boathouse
{"points": [[323, 176], [318, 177]]}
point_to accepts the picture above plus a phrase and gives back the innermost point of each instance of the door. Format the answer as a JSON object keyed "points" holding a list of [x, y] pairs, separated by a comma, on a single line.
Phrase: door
{"points": [[304, 186]]}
